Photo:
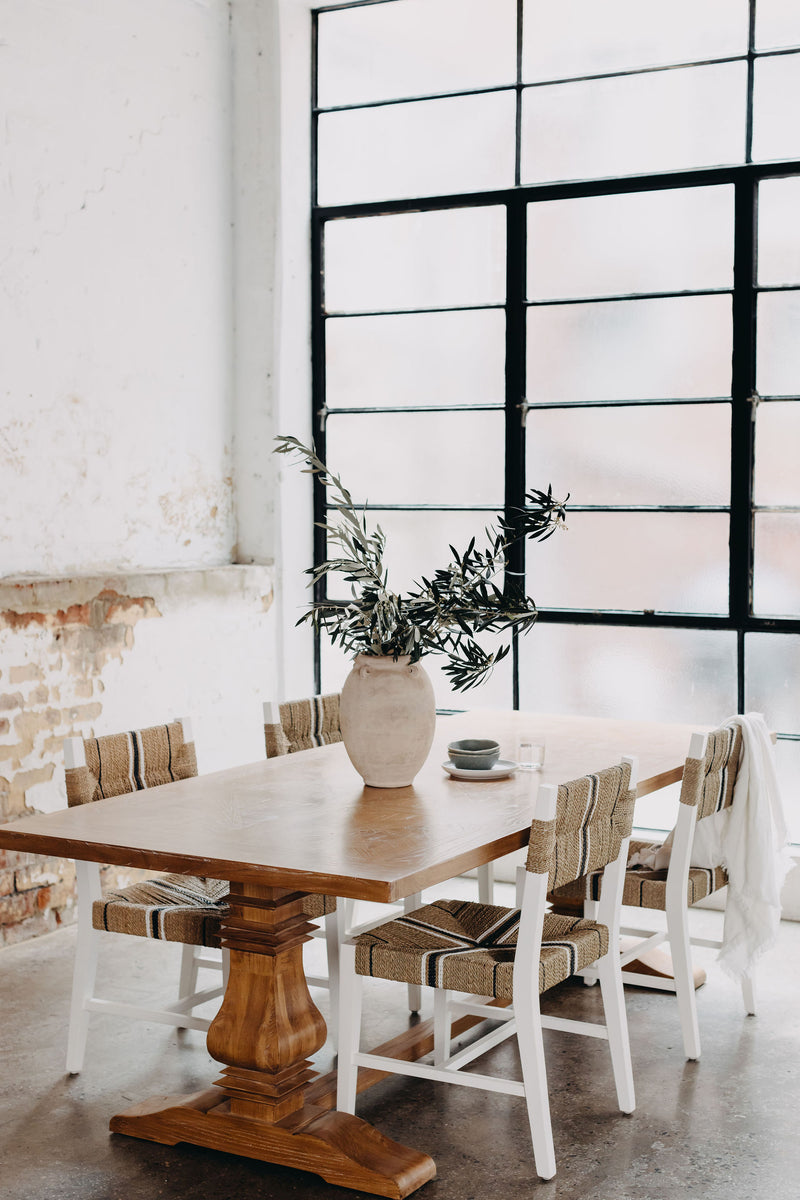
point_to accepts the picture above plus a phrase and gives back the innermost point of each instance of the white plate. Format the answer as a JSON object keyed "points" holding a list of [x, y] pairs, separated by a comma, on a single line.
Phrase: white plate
{"points": [[498, 770]]}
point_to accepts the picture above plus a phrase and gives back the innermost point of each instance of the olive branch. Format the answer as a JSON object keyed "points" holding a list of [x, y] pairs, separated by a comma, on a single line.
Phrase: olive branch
{"points": [[441, 615]]}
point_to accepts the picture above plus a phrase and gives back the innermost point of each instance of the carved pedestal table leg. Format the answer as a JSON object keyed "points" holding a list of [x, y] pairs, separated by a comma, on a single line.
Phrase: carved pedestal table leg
{"points": [[264, 1033]]}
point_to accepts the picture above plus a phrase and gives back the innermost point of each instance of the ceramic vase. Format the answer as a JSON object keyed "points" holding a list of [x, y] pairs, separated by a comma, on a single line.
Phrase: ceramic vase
{"points": [[388, 715]]}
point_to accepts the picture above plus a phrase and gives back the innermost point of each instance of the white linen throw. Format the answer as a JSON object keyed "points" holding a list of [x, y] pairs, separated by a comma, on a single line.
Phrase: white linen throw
{"points": [[750, 840]]}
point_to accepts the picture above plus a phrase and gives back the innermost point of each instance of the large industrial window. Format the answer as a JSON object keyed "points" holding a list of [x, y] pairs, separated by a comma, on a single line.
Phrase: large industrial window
{"points": [[558, 243]]}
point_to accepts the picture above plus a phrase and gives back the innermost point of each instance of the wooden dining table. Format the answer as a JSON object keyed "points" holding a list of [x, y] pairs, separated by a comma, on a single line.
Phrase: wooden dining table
{"points": [[304, 823]]}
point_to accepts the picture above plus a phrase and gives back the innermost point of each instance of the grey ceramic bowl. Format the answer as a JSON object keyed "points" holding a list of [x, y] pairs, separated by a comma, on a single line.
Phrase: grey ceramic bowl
{"points": [[474, 754]]}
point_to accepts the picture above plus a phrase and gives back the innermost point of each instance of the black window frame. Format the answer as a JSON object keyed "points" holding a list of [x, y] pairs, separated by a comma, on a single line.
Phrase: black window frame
{"points": [[745, 178]]}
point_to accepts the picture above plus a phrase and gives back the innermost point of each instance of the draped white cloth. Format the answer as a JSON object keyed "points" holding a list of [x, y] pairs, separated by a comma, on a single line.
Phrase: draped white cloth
{"points": [[750, 840]]}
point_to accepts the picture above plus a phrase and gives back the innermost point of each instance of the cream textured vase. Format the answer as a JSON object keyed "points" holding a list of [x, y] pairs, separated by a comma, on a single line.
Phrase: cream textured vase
{"points": [[388, 714]]}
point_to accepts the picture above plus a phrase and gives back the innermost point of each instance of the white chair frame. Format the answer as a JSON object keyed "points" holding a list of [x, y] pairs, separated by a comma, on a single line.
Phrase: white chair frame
{"points": [[524, 1018], [677, 932]]}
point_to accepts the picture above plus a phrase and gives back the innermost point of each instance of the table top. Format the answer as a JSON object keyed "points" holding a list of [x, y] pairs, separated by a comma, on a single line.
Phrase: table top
{"points": [[305, 821]]}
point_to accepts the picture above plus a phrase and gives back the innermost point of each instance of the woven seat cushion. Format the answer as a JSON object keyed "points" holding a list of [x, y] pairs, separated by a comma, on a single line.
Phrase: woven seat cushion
{"points": [[644, 888], [177, 908], [470, 947]]}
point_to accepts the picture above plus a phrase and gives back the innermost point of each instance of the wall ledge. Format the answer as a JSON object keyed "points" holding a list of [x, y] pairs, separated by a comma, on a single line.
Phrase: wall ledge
{"points": [[50, 595]]}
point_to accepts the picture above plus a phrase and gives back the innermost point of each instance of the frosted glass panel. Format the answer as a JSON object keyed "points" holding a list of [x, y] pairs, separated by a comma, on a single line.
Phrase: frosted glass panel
{"points": [[666, 121], [778, 357], [665, 562], [582, 37], [778, 243], [776, 577], [419, 458], [437, 147], [641, 242], [777, 24], [418, 543], [425, 358], [381, 51], [776, 133], [416, 260], [635, 455], [772, 668], [630, 350], [777, 479], [787, 764], [684, 675]]}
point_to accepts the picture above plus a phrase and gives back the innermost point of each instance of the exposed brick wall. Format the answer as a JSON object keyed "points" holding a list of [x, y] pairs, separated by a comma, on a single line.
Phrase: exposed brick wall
{"points": [[71, 664]]}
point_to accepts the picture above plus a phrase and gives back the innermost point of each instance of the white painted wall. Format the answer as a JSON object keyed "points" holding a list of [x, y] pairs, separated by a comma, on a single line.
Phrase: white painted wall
{"points": [[116, 412]]}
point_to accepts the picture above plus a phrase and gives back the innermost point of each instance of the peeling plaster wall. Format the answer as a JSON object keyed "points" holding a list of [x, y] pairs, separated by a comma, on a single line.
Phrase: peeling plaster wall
{"points": [[116, 320], [119, 474], [99, 655]]}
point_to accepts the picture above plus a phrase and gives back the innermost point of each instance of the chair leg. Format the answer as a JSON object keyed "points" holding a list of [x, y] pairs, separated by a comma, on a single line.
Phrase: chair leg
{"points": [[414, 989], [441, 1026], [349, 1032], [334, 935], [187, 983], [749, 995], [83, 979], [610, 977], [486, 883], [534, 1075], [681, 951]]}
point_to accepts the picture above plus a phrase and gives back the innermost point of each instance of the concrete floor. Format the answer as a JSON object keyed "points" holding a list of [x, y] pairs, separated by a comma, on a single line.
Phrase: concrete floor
{"points": [[725, 1126]]}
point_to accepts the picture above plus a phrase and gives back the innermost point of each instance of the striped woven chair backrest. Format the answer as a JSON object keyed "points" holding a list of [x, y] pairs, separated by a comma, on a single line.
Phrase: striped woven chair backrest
{"points": [[128, 762], [594, 814], [708, 782], [301, 724]]}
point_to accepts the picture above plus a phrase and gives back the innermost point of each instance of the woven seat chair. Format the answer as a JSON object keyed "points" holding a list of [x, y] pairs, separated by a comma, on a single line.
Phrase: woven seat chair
{"points": [[173, 908], [510, 955], [709, 778]]}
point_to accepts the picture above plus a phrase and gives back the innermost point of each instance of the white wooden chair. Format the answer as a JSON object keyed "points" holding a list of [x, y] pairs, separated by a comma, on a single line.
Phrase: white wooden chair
{"points": [[709, 778], [486, 951], [172, 907]]}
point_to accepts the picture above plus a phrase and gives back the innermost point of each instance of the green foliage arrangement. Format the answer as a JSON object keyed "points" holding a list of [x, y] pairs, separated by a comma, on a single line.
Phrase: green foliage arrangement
{"points": [[440, 615]]}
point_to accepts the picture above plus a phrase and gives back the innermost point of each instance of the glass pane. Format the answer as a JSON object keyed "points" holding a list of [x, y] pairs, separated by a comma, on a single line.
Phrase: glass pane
{"points": [[666, 121], [664, 562], [776, 99], [415, 359], [416, 260], [777, 24], [635, 455], [419, 458], [684, 675], [776, 567], [778, 356], [630, 350], [415, 48], [582, 37], [642, 242], [787, 764], [778, 244], [777, 480], [437, 147], [772, 668]]}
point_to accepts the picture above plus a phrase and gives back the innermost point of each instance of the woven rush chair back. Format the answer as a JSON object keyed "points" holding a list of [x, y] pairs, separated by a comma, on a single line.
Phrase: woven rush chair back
{"points": [[708, 782], [594, 814], [129, 762], [301, 724]]}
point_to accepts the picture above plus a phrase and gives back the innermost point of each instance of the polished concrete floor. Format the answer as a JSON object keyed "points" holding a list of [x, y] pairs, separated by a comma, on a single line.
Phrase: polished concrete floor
{"points": [[726, 1126]]}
